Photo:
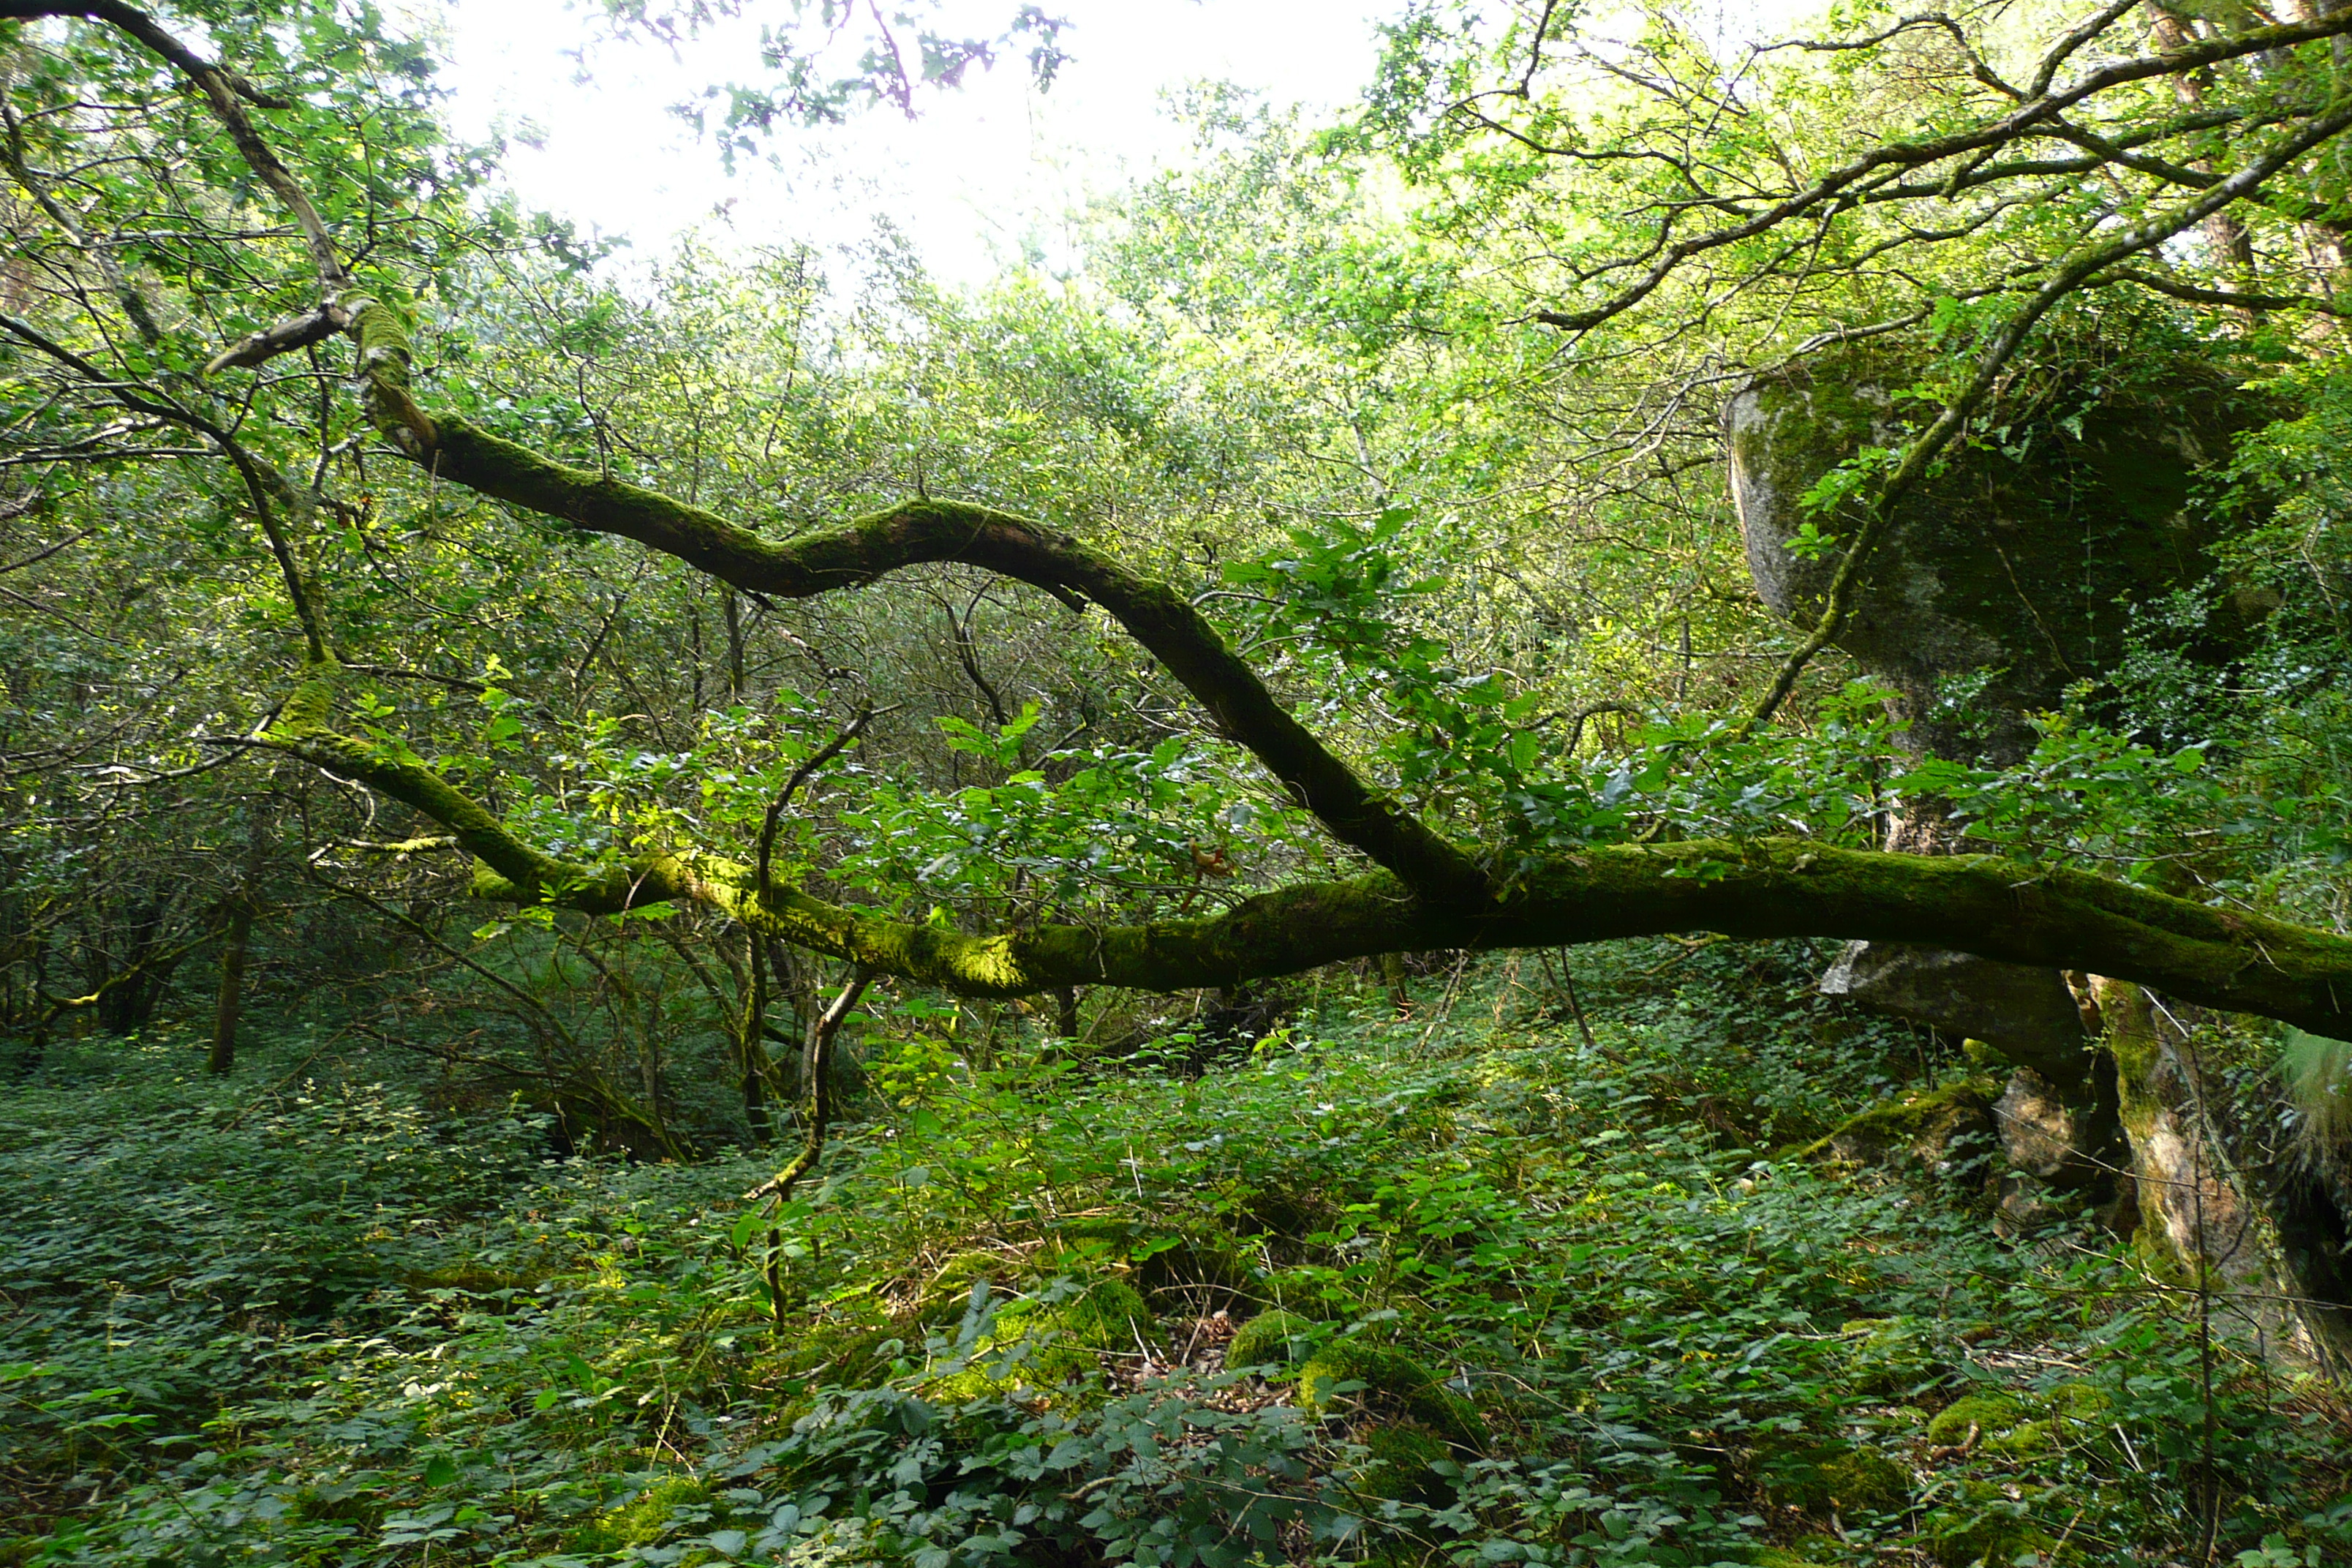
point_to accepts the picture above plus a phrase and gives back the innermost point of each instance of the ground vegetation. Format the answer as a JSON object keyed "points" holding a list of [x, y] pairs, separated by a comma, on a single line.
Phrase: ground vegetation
{"points": [[748, 904]]}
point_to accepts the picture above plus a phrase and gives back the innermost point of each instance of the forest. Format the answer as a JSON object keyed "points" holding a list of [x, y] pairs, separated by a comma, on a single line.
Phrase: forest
{"points": [[1595, 814]]}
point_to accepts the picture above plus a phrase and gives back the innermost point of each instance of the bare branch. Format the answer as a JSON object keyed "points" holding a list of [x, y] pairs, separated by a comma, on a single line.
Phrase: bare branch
{"points": [[2088, 262], [800, 775], [2028, 117]]}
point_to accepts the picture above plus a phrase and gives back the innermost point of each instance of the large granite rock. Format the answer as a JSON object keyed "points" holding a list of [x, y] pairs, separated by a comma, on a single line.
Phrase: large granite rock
{"points": [[2028, 1014], [2037, 1126], [2007, 577], [2013, 567], [2065, 1150], [2056, 1122]]}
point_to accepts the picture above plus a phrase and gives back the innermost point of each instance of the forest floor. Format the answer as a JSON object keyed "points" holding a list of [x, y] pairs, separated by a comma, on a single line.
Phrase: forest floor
{"points": [[1480, 1285]]}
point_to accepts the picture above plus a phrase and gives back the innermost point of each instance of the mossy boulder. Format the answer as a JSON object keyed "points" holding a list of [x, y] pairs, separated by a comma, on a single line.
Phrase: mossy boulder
{"points": [[1992, 1416], [1109, 1314], [2072, 1413], [2026, 1016], [2025, 1439], [2005, 1424], [674, 1502], [1279, 1218], [1276, 1338], [1034, 1344], [1819, 1477], [1986, 1057], [474, 1277], [850, 1355], [1947, 1129], [1173, 1265], [2082, 1402], [1011, 1369], [2083, 474], [1099, 1235], [1864, 1480], [947, 1295], [1393, 1382], [1984, 1530]]}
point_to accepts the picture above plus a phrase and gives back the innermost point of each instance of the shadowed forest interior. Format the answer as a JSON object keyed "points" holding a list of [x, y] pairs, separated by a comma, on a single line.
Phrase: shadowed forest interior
{"points": [[1597, 814]]}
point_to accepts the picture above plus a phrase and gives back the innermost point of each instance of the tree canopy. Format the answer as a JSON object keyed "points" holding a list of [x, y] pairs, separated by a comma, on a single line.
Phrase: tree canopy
{"points": [[257, 285], [1621, 486]]}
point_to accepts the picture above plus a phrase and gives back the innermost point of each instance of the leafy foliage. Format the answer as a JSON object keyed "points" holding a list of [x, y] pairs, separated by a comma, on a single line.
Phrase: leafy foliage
{"points": [[1416, 417], [1678, 1349]]}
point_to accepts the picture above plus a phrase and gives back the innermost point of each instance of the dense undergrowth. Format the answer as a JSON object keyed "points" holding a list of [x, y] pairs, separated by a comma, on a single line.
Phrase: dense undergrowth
{"points": [[1508, 1293]]}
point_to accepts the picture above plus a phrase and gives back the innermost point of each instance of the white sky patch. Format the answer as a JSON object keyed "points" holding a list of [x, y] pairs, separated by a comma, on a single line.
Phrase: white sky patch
{"points": [[985, 175]]}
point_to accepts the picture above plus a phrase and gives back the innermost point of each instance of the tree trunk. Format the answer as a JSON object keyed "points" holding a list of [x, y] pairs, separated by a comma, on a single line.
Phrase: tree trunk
{"points": [[735, 672], [130, 967], [750, 1046], [223, 1056], [40, 942], [1392, 972], [2237, 1195], [230, 1008]]}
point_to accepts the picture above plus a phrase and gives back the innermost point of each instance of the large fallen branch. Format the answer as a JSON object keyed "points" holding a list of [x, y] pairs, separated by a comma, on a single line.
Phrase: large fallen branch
{"points": [[919, 533], [1983, 904], [1430, 891]]}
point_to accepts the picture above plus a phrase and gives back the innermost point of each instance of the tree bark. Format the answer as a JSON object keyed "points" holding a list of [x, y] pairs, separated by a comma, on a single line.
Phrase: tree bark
{"points": [[2235, 1196], [230, 1006], [751, 1043], [1984, 904]]}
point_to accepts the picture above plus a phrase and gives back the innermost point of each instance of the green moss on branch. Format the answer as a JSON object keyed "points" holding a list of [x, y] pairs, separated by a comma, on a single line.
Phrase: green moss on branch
{"points": [[1995, 908], [1766, 887], [1162, 620]]}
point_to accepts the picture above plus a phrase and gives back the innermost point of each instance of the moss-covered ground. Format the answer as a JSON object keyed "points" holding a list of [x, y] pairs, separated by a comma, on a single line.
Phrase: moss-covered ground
{"points": [[1553, 1303]]}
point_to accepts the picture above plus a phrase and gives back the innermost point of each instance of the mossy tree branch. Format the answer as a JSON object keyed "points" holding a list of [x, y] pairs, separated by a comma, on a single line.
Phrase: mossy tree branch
{"points": [[1994, 906], [226, 96], [1163, 621], [1430, 891]]}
